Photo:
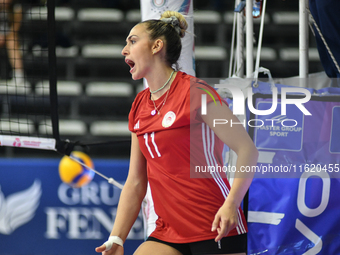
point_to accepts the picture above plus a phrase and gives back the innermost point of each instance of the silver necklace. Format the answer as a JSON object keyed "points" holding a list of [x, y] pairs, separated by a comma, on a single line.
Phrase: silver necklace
{"points": [[153, 112], [153, 92], [162, 104]]}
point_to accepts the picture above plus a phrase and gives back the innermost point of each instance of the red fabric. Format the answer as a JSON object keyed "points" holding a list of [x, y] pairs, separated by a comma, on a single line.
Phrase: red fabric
{"points": [[186, 206]]}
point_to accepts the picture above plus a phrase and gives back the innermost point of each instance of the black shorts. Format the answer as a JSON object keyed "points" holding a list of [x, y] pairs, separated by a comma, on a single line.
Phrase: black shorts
{"points": [[228, 245]]}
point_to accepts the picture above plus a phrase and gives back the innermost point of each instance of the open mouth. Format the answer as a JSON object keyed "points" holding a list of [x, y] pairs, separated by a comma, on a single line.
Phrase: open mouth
{"points": [[130, 63]]}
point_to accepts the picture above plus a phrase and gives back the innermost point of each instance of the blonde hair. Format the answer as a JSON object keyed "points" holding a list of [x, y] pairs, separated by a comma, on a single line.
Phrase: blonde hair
{"points": [[182, 22], [171, 27]]}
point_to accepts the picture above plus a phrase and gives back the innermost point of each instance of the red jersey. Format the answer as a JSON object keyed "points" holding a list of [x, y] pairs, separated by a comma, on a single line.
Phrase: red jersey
{"points": [[185, 206]]}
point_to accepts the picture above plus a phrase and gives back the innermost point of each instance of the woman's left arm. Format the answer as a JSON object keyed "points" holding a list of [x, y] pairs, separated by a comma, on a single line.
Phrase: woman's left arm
{"points": [[234, 135]]}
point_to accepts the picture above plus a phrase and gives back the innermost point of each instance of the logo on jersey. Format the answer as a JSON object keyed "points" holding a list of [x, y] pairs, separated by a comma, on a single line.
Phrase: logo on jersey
{"points": [[169, 119], [136, 125]]}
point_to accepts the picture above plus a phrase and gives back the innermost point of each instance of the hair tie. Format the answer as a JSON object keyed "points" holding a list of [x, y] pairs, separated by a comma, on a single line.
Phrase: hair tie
{"points": [[174, 22]]}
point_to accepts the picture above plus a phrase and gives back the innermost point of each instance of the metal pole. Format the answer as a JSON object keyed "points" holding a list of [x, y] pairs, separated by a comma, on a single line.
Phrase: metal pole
{"points": [[240, 44], [259, 45], [232, 49], [303, 42], [249, 41]]}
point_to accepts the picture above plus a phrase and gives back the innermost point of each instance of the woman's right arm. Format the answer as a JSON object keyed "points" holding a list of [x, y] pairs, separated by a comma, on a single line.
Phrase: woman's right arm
{"points": [[131, 197]]}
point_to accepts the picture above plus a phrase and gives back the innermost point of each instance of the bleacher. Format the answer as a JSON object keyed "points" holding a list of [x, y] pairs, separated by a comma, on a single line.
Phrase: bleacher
{"points": [[94, 84]]}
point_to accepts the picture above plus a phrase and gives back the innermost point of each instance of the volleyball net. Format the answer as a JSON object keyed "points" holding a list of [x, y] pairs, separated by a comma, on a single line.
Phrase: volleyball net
{"points": [[29, 115], [29, 109], [33, 96]]}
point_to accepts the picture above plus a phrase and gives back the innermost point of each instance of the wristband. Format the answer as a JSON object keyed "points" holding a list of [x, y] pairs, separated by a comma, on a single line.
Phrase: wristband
{"points": [[111, 241]]}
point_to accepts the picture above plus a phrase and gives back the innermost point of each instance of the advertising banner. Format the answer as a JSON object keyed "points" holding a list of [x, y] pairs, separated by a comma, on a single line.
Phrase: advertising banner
{"points": [[39, 214], [293, 201]]}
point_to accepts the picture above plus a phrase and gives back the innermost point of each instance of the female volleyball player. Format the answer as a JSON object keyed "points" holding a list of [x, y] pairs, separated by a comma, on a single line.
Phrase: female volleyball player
{"points": [[170, 136]]}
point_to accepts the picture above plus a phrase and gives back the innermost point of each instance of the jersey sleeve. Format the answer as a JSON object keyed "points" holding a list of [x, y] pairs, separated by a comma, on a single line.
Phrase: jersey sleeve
{"points": [[132, 119], [134, 111], [197, 89]]}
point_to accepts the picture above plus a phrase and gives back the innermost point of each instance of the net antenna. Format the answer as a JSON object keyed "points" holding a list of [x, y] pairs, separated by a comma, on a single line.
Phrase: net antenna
{"points": [[28, 104], [109, 180]]}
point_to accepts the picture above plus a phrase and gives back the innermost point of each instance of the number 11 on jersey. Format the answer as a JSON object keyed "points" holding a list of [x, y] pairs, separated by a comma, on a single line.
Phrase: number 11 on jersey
{"points": [[146, 138]]}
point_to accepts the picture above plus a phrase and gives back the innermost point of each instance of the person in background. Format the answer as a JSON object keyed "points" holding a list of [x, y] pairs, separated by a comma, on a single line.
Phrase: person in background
{"points": [[10, 22]]}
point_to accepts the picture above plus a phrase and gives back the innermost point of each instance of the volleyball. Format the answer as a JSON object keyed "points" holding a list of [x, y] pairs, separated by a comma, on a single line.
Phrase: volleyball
{"points": [[73, 173]]}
